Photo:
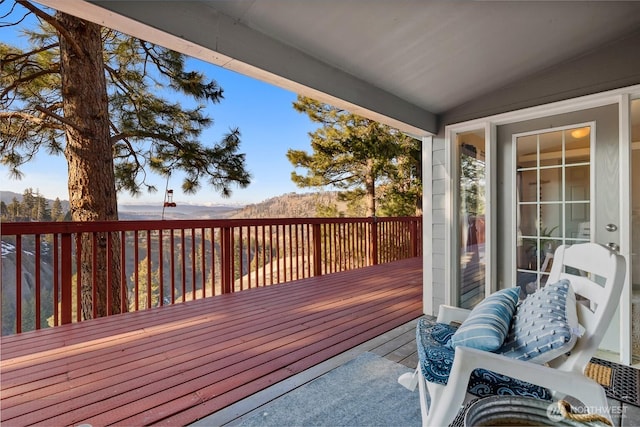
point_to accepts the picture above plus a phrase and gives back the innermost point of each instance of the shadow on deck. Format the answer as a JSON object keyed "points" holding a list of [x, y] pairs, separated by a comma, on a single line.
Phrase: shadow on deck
{"points": [[174, 365]]}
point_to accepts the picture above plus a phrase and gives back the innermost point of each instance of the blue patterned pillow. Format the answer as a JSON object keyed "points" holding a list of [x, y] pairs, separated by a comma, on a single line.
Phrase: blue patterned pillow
{"points": [[545, 325], [488, 323]]}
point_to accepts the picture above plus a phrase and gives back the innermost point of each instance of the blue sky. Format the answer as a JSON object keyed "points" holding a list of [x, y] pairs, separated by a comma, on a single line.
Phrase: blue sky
{"points": [[264, 114]]}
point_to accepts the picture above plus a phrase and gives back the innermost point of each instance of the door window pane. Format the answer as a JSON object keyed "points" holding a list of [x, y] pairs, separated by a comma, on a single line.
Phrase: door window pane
{"points": [[528, 186], [577, 144], [551, 185], [471, 203], [578, 183], [527, 219], [550, 148], [527, 152], [551, 220], [577, 220]]}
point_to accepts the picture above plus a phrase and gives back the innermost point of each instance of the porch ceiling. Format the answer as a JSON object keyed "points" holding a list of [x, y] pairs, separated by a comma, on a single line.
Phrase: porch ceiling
{"points": [[405, 62]]}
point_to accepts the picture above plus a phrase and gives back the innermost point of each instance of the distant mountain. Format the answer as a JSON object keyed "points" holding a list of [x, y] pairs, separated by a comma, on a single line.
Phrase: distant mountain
{"points": [[181, 211], [290, 205]]}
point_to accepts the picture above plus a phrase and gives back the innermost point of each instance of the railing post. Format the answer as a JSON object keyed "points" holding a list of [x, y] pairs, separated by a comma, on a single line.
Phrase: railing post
{"points": [[317, 250], [65, 275], [414, 237], [227, 253], [374, 256]]}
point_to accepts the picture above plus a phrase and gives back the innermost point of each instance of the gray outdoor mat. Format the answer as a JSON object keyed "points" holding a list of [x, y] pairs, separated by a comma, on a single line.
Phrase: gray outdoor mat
{"points": [[362, 392]]}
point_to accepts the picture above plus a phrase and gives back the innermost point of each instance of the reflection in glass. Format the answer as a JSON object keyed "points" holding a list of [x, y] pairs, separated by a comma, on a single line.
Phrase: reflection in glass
{"points": [[471, 202], [550, 185], [577, 221], [577, 183], [528, 219], [577, 145], [551, 148], [550, 220], [529, 186], [527, 151]]}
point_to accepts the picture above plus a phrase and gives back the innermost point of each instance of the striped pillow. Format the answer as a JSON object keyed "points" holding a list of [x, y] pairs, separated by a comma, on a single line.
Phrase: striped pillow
{"points": [[488, 323]]}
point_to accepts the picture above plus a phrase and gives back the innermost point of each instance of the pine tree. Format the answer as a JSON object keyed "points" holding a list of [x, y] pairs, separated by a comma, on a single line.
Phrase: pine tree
{"points": [[351, 153], [57, 212], [94, 95], [28, 204], [14, 210], [402, 194], [143, 299]]}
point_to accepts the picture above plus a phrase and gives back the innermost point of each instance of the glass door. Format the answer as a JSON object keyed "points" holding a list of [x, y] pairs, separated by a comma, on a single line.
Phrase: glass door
{"points": [[564, 173]]}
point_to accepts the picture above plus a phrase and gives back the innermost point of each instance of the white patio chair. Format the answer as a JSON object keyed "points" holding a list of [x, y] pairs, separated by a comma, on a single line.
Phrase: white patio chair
{"points": [[596, 274]]}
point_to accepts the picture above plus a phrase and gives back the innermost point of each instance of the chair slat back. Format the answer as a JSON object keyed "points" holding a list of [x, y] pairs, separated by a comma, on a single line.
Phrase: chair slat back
{"points": [[597, 276]]}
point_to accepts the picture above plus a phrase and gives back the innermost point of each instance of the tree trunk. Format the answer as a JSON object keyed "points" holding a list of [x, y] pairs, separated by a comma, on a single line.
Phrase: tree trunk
{"points": [[419, 179], [92, 192], [370, 189]]}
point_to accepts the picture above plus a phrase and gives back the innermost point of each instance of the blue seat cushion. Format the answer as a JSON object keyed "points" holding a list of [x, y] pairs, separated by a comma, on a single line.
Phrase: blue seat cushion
{"points": [[436, 358]]}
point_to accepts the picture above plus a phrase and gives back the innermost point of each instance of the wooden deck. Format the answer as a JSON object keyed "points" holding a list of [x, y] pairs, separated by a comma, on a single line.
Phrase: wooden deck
{"points": [[174, 365]]}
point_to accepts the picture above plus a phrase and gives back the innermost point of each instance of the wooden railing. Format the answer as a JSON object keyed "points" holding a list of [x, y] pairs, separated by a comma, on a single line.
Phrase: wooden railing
{"points": [[157, 263]]}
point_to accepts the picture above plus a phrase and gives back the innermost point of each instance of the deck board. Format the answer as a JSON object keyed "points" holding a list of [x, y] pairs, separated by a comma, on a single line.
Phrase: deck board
{"points": [[173, 365]]}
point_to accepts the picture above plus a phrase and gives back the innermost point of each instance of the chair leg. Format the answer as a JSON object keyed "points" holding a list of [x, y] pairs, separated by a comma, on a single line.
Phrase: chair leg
{"points": [[412, 379], [409, 380], [432, 413], [445, 404], [424, 404]]}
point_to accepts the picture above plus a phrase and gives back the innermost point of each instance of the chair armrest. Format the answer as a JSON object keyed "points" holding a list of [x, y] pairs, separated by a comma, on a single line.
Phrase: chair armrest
{"points": [[448, 314], [565, 382]]}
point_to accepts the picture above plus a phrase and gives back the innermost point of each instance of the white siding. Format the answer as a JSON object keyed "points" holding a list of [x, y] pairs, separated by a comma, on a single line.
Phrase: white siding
{"points": [[439, 204]]}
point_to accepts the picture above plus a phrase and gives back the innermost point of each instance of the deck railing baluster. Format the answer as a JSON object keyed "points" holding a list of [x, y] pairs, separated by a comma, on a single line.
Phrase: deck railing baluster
{"points": [[78, 272], [65, 273], [56, 279], [19, 284]]}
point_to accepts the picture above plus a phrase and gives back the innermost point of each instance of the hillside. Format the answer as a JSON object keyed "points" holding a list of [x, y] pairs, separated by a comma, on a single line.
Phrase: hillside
{"points": [[8, 196], [291, 205]]}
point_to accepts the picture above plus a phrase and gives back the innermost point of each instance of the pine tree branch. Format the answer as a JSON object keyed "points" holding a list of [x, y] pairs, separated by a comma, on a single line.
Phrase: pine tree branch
{"points": [[152, 55], [145, 134], [26, 116], [18, 114], [132, 151], [57, 117], [30, 77], [54, 23], [15, 57]]}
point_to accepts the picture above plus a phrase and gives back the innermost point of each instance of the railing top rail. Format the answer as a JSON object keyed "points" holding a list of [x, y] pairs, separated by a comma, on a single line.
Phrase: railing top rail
{"points": [[20, 228]]}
